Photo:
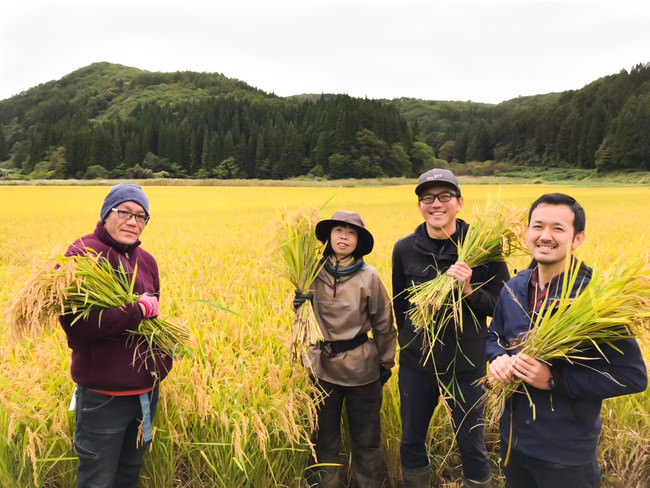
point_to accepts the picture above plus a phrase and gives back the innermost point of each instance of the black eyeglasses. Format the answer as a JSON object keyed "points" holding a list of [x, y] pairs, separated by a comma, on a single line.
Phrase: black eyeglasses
{"points": [[443, 197], [126, 215]]}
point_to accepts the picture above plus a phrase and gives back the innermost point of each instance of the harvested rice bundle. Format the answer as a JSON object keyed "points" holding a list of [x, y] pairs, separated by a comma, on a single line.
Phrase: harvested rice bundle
{"points": [[33, 309], [614, 305], [496, 232], [79, 285], [301, 252]]}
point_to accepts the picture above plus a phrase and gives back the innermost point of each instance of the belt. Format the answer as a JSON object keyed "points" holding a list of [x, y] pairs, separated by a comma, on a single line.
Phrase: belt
{"points": [[332, 348]]}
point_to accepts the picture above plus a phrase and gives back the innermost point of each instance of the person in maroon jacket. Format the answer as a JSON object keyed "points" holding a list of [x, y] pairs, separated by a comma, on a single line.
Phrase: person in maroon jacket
{"points": [[117, 378]]}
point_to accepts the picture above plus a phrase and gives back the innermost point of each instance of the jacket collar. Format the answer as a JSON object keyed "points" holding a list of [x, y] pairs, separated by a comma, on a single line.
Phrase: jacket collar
{"points": [[103, 235], [446, 247], [583, 278]]}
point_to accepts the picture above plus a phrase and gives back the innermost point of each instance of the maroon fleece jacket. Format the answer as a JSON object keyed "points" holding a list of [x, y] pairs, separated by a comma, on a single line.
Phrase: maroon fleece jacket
{"points": [[104, 354]]}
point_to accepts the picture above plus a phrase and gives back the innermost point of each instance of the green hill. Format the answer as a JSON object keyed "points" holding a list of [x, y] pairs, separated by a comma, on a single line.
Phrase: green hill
{"points": [[108, 120]]}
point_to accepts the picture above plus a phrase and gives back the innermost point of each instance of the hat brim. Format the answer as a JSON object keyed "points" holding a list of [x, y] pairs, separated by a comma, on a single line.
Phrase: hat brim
{"points": [[365, 241], [428, 184]]}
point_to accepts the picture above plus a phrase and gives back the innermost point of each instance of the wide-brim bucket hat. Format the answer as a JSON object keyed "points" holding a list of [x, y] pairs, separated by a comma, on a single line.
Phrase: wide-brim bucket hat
{"points": [[365, 241]]}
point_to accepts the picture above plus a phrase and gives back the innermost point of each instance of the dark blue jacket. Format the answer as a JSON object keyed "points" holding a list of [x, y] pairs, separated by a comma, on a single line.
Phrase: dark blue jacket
{"points": [[418, 258], [567, 423]]}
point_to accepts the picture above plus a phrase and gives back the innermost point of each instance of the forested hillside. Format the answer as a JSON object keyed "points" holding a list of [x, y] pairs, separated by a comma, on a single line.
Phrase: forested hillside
{"points": [[108, 120], [605, 125]]}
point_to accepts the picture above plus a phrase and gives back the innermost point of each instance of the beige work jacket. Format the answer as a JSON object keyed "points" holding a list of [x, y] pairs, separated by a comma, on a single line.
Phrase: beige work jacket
{"points": [[361, 305]]}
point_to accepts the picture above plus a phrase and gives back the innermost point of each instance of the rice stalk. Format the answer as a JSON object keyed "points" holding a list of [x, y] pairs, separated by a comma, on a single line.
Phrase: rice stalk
{"points": [[496, 233], [614, 306], [201, 397], [30, 310], [301, 251], [79, 285]]}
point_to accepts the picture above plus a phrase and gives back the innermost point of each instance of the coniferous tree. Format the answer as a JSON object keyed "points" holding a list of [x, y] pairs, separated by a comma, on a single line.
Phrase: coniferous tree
{"points": [[4, 148], [461, 148], [479, 147], [115, 116]]}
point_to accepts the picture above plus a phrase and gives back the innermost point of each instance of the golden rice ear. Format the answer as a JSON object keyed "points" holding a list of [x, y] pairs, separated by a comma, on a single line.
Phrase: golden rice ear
{"points": [[301, 252], [78, 285], [35, 308]]}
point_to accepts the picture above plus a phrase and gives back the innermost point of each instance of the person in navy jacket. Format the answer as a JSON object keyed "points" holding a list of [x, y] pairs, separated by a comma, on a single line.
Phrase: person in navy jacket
{"points": [[557, 448]]}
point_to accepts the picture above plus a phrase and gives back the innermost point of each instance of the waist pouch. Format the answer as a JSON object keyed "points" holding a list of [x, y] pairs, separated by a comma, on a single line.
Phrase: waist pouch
{"points": [[332, 348]]}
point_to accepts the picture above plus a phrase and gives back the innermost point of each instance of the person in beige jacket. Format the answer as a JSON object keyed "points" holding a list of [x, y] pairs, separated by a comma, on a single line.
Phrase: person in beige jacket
{"points": [[355, 359]]}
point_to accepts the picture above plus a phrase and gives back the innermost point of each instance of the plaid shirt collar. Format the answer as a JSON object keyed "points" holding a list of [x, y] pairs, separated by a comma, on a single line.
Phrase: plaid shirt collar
{"points": [[537, 295]]}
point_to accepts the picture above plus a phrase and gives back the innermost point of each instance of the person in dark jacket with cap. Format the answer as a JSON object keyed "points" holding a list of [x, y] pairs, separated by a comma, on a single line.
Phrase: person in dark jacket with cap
{"points": [[117, 378], [555, 445], [458, 358], [350, 302]]}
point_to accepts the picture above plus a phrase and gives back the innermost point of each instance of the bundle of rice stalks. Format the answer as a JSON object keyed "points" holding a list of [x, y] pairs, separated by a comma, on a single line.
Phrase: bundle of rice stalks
{"points": [[301, 252], [79, 285], [496, 232], [615, 305]]}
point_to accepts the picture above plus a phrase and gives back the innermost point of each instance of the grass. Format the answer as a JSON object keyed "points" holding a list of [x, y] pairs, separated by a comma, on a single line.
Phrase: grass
{"points": [[237, 412], [79, 285]]}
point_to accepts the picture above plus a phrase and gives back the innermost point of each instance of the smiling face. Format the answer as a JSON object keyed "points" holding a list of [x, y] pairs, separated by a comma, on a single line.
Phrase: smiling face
{"points": [[550, 234], [126, 232], [343, 239], [440, 217]]}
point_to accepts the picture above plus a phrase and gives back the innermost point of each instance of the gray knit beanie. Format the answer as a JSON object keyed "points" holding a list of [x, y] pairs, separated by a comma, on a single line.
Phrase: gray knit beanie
{"points": [[124, 192]]}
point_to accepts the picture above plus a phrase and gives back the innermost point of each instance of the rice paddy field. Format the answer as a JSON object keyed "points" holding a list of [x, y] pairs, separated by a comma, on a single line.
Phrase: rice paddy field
{"points": [[237, 412]]}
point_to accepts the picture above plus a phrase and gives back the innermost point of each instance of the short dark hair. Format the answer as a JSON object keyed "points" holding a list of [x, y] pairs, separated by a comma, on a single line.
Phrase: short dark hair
{"points": [[579, 218]]}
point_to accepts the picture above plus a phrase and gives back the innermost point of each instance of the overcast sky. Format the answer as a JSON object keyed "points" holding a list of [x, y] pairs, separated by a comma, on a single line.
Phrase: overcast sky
{"points": [[482, 50]]}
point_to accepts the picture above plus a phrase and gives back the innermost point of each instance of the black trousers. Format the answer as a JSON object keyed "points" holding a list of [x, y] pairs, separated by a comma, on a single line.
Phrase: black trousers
{"points": [[363, 407], [528, 472], [419, 397]]}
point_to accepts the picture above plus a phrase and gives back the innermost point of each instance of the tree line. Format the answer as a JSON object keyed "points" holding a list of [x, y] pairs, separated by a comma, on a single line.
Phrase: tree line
{"points": [[111, 121], [604, 126], [227, 138]]}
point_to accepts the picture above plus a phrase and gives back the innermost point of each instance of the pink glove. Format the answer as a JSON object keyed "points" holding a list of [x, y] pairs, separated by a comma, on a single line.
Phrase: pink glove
{"points": [[149, 305]]}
